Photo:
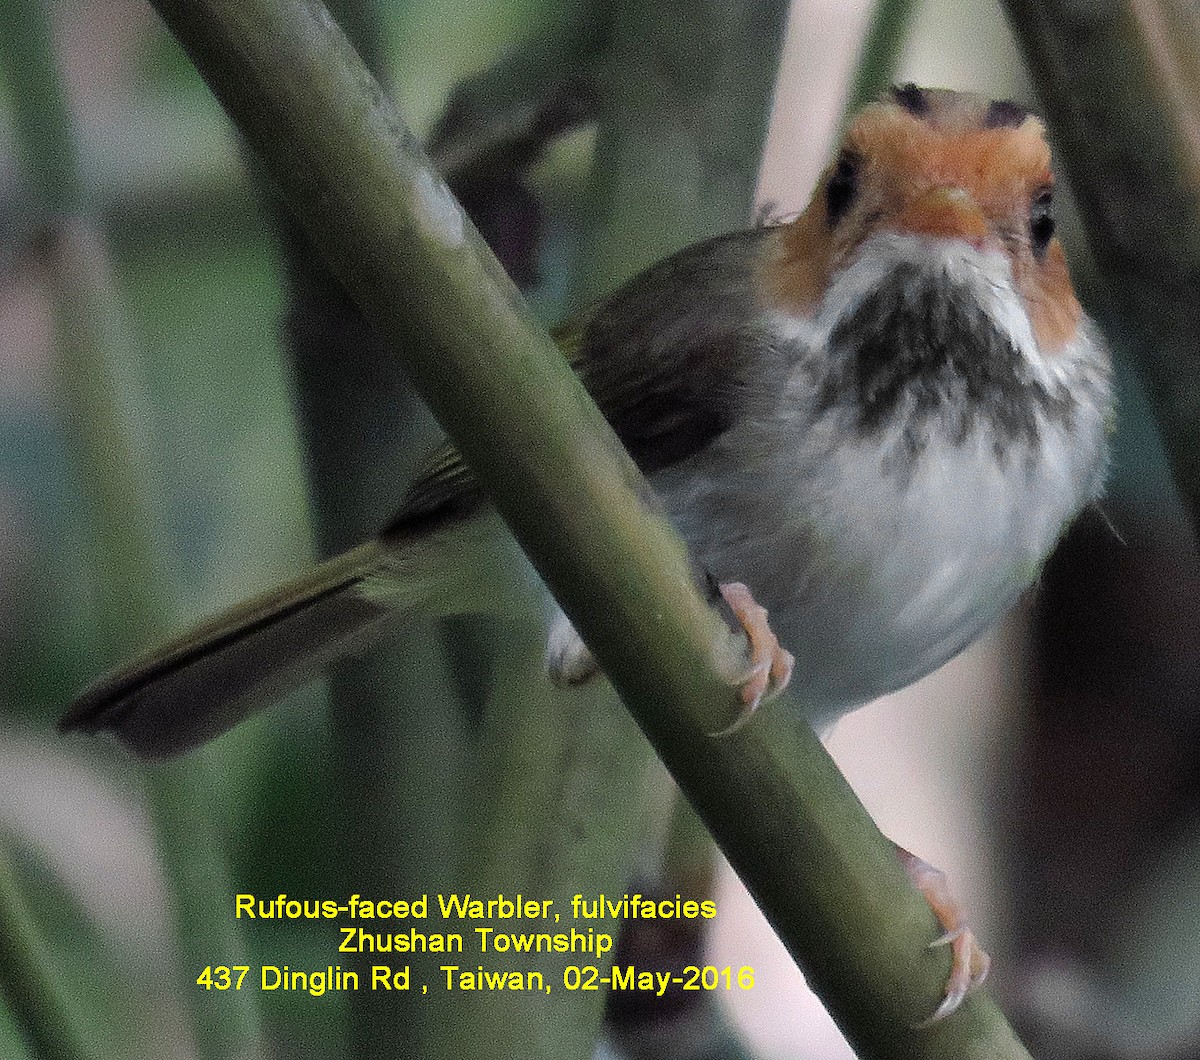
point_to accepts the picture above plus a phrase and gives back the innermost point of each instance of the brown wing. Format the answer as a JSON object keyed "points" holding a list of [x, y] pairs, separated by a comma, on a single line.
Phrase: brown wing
{"points": [[665, 359]]}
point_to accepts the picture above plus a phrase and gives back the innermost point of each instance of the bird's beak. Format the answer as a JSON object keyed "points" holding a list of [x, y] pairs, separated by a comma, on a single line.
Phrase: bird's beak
{"points": [[943, 213]]}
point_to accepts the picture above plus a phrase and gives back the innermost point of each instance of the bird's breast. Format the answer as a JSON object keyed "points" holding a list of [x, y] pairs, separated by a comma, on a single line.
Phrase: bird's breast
{"points": [[898, 496]]}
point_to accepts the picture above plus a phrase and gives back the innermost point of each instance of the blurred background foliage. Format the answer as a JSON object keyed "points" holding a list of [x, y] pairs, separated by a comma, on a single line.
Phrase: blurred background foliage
{"points": [[1090, 793]]}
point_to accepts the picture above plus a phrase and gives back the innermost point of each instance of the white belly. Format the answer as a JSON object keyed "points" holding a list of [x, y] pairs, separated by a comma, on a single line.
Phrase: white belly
{"points": [[875, 576]]}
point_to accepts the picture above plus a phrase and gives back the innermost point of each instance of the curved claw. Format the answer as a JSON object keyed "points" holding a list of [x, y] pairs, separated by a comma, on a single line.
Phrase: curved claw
{"points": [[953, 998], [969, 963], [946, 939], [969, 967], [770, 664]]}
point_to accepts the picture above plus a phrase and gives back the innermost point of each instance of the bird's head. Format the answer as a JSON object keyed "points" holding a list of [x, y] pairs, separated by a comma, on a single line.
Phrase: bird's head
{"points": [[949, 184]]}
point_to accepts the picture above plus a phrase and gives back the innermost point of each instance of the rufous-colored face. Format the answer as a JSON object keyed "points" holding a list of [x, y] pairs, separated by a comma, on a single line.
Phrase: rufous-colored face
{"points": [[940, 165]]}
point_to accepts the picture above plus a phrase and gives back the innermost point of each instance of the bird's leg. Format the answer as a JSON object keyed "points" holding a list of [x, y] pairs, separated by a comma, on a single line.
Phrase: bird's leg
{"points": [[569, 662], [969, 964], [770, 664]]}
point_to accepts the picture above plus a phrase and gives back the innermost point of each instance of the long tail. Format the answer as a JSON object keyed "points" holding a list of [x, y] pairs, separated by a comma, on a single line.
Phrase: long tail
{"points": [[200, 684]]}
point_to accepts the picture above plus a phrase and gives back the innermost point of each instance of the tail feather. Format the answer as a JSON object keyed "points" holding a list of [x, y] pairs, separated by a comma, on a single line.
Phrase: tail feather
{"points": [[202, 683], [197, 686]]}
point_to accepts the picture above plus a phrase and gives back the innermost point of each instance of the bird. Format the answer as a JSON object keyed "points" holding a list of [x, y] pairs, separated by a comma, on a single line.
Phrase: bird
{"points": [[870, 424]]}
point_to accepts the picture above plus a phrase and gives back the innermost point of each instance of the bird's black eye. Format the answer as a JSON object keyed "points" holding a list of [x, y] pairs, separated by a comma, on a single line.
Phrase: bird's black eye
{"points": [[842, 187], [1041, 222]]}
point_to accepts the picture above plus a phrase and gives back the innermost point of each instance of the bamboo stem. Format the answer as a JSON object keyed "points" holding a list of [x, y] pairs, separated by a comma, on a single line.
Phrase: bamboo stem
{"points": [[29, 984]]}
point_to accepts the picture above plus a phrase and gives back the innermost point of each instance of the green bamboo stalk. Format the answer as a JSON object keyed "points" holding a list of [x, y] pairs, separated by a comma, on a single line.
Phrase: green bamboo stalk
{"points": [[1116, 80], [40, 114], [360, 20], [403, 755], [665, 1029], [547, 801], [106, 429], [552, 811], [104, 421], [357, 180], [880, 52], [678, 151], [391, 724], [563, 790], [28, 983]]}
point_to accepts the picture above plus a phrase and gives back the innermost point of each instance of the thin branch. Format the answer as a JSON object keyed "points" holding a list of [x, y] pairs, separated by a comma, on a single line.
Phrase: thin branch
{"points": [[372, 204]]}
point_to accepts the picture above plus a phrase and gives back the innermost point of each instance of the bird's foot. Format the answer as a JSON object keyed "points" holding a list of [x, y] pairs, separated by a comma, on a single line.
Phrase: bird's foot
{"points": [[969, 964], [770, 664]]}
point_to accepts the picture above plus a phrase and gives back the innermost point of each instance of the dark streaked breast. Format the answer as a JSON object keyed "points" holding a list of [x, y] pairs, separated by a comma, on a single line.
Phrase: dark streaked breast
{"points": [[920, 354]]}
